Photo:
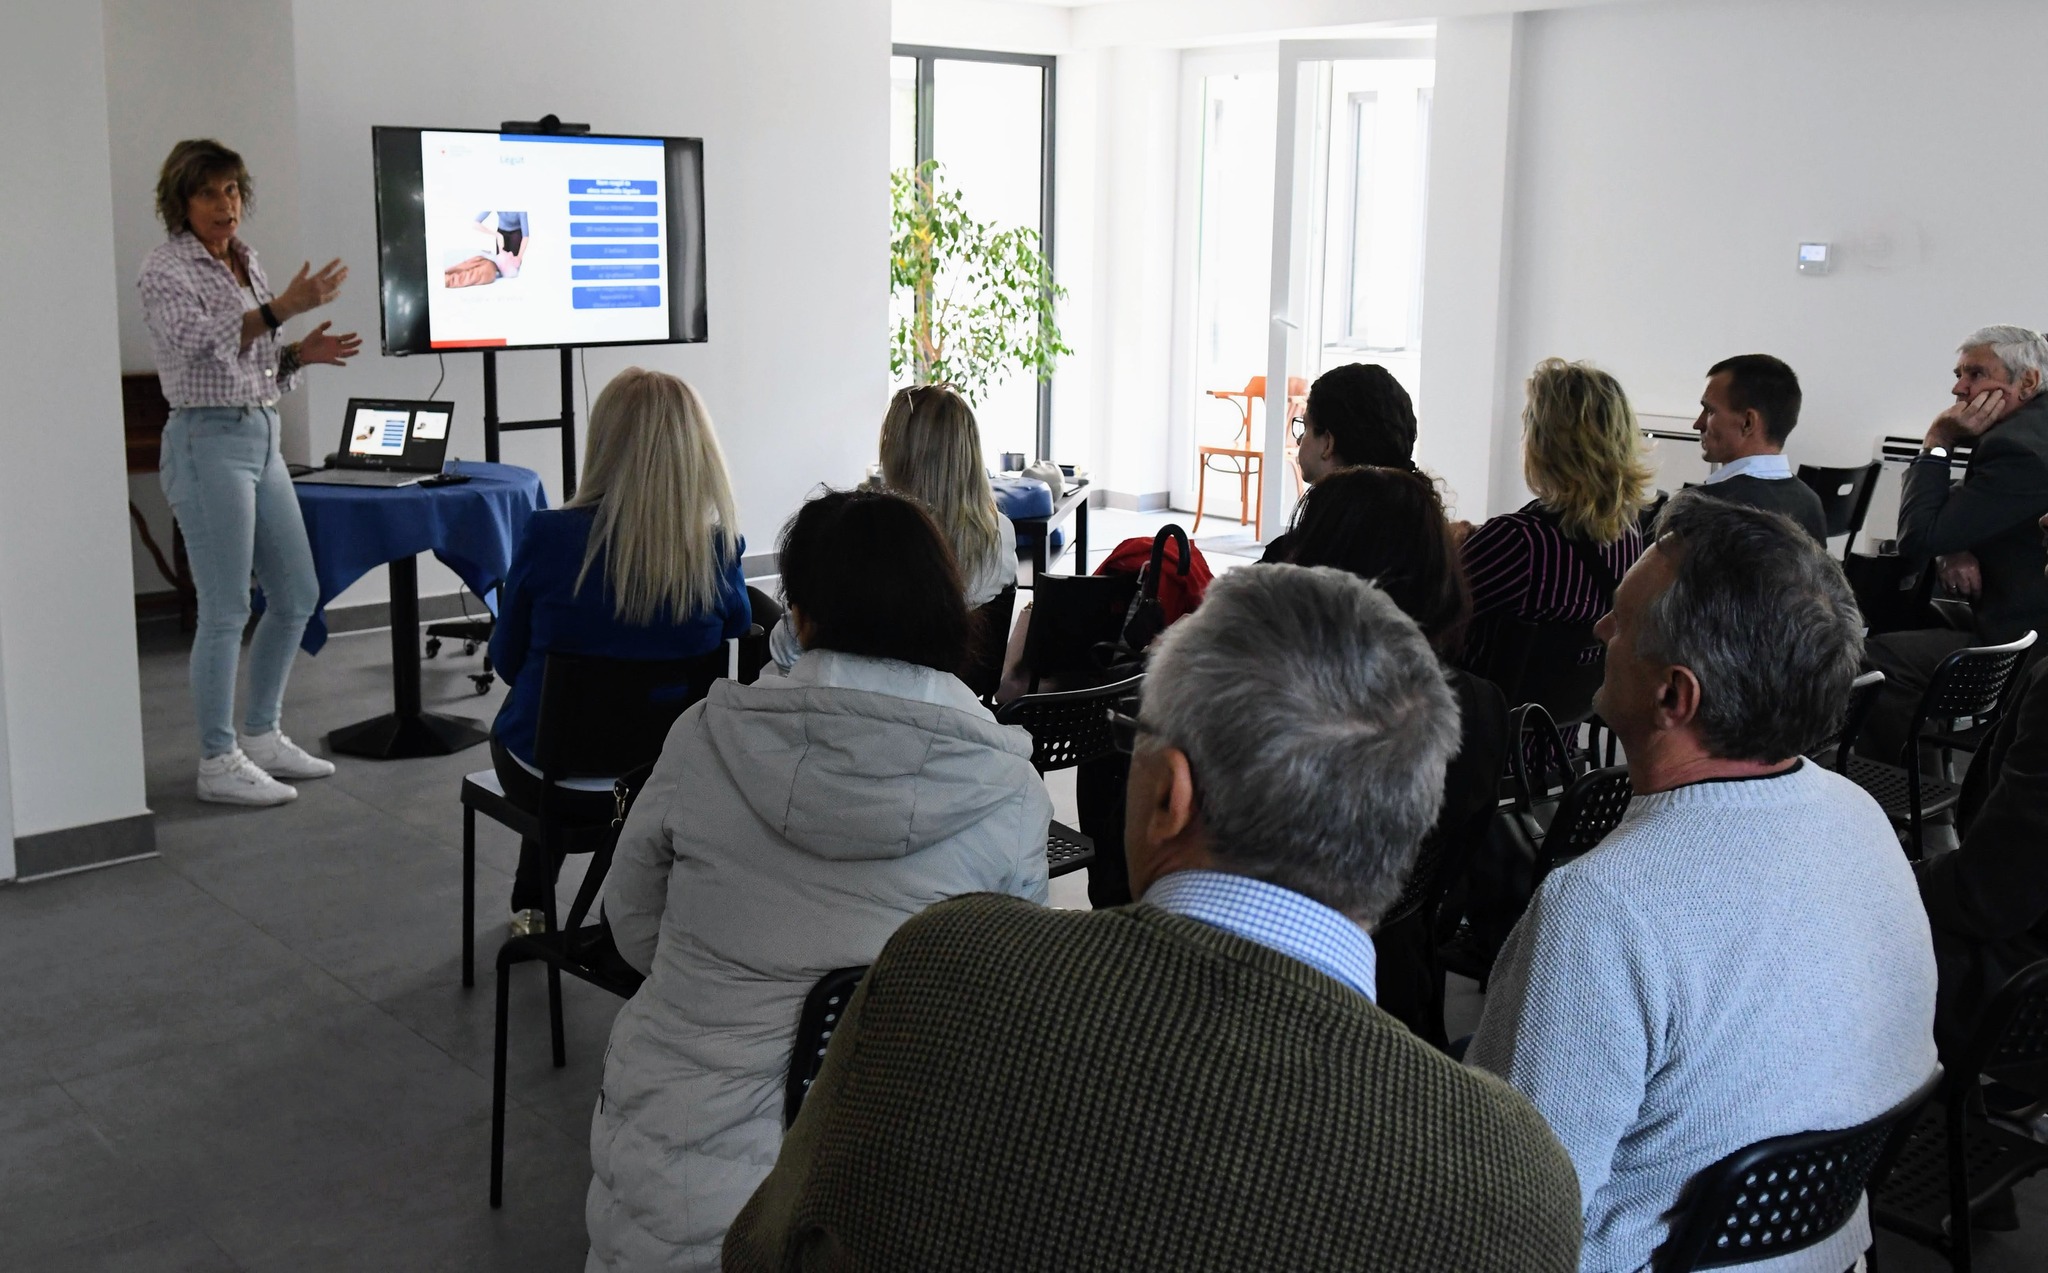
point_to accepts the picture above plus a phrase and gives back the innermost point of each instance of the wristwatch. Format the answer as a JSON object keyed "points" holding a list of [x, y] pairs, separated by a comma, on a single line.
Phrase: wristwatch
{"points": [[1933, 453]]}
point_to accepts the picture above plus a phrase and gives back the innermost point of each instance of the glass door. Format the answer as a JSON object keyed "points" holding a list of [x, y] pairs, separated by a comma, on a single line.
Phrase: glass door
{"points": [[987, 119]]}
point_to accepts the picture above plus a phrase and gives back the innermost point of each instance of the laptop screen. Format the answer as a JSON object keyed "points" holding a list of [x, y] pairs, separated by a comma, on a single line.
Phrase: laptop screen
{"points": [[393, 434]]}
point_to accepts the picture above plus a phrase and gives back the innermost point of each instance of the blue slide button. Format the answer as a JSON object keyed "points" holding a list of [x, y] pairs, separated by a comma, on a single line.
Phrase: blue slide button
{"points": [[613, 251], [594, 272], [608, 186], [615, 297], [613, 208], [614, 229]]}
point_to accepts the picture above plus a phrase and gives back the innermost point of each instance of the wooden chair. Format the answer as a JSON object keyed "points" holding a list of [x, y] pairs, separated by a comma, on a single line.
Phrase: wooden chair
{"points": [[1240, 459]]}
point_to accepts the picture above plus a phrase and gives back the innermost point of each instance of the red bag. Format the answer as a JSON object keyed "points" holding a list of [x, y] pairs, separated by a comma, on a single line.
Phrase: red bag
{"points": [[1170, 586]]}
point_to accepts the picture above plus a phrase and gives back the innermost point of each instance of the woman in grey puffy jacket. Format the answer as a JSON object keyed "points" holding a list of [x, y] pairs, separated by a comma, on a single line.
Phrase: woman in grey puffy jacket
{"points": [[789, 828]]}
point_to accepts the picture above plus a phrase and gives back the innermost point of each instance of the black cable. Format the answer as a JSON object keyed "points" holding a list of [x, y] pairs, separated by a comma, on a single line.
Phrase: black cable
{"points": [[583, 361], [443, 359]]}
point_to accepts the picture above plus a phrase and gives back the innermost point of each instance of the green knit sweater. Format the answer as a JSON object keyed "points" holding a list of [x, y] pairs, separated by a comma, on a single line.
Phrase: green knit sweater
{"points": [[1022, 1088]]}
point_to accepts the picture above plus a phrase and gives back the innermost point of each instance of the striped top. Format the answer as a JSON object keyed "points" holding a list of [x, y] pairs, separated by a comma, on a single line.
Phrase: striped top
{"points": [[1521, 566]]}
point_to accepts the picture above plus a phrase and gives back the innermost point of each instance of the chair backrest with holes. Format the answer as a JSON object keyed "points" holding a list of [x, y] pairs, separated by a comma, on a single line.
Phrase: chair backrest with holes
{"points": [[1971, 682], [1592, 806], [1844, 494], [824, 1006], [2011, 1041], [1071, 727], [1781, 1195]]}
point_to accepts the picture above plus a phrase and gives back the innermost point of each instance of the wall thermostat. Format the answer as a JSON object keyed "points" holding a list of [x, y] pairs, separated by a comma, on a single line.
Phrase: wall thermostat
{"points": [[1813, 258]]}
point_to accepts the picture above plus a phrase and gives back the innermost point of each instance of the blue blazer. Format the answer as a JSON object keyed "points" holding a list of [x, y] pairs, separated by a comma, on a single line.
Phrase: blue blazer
{"points": [[539, 612]]}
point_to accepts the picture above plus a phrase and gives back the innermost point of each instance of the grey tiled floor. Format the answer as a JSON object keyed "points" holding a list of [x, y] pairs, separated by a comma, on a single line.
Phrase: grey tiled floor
{"points": [[254, 1052]]}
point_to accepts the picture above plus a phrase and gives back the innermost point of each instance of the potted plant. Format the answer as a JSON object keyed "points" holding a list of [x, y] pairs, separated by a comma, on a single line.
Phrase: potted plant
{"points": [[974, 303]]}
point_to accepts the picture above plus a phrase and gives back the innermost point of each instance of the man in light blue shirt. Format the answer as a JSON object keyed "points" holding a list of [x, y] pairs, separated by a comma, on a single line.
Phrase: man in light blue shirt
{"points": [[1749, 408]]}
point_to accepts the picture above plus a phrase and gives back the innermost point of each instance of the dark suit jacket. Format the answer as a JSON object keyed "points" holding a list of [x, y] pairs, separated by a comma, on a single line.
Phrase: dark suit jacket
{"points": [[1988, 900], [1993, 515]]}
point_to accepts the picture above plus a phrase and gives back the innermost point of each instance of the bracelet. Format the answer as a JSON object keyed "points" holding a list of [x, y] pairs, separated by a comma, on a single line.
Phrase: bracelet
{"points": [[269, 316]]}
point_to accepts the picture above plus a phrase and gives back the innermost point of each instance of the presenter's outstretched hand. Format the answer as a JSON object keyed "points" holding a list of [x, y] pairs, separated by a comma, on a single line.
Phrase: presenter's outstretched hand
{"points": [[318, 346], [308, 290]]}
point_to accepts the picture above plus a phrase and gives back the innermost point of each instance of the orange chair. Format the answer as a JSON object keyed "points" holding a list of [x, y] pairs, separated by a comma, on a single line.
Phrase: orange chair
{"points": [[1240, 459]]}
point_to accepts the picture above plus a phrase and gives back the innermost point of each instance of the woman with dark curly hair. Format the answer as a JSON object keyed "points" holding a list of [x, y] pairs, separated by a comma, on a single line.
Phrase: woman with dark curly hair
{"points": [[215, 324]]}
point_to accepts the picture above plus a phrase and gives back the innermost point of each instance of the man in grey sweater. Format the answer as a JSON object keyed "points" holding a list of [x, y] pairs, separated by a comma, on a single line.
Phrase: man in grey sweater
{"points": [[1745, 956]]}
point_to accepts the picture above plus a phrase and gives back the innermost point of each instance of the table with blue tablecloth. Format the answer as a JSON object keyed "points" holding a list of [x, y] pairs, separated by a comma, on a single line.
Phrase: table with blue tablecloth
{"points": [[472, 528]]}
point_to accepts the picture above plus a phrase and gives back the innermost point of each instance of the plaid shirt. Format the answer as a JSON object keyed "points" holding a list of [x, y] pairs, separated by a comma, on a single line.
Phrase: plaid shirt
{"points": [[1275, 917], [194, 310]]}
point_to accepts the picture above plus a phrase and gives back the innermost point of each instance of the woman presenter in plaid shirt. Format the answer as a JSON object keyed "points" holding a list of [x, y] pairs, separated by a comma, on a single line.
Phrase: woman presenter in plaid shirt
{"points": [[223, 362]]}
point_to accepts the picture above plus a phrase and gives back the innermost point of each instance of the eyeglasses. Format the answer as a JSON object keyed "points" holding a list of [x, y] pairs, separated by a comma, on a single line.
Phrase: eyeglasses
{"points": [[1124, 730]]}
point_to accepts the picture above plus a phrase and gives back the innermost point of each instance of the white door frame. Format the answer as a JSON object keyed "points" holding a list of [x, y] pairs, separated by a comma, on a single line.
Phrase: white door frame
{"points": [[1277, 488]]}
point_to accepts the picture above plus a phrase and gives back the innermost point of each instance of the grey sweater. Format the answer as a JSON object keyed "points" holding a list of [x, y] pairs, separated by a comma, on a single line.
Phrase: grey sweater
{"points": [[1736, 961]]}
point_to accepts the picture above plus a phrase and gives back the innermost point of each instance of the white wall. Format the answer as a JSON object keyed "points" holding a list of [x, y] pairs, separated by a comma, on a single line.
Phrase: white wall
{"points": [[1463, 312], [172, 74], [1671, 156], [73, 716], [791, 100]]}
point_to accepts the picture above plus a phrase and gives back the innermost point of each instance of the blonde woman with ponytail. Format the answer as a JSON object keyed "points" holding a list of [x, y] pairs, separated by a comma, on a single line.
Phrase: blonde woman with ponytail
{"points": [[931, 452], [644, 563]]}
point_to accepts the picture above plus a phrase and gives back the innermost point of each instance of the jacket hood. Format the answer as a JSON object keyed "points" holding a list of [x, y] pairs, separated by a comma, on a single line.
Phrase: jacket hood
{"points": [[856, 774]]}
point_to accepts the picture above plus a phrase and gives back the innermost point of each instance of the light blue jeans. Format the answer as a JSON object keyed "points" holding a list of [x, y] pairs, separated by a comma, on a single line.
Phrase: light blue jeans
{"points": [[226, 480]]}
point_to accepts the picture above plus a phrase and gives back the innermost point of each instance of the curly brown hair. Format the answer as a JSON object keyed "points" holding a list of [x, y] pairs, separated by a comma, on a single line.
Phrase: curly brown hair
{"points": [[191, 165]]}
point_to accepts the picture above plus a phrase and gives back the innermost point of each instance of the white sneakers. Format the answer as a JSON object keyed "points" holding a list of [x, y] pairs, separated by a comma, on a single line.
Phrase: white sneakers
{"points": [[280, 757], [233, 779], [249, 774]]}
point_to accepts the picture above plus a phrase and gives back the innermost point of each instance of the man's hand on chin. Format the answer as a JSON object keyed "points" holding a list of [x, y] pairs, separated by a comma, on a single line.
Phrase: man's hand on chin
{"points": [[1967, 419]]}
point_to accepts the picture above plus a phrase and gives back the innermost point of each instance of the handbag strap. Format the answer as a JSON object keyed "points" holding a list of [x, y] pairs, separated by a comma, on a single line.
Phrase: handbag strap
{"points": [[1589, 557]]}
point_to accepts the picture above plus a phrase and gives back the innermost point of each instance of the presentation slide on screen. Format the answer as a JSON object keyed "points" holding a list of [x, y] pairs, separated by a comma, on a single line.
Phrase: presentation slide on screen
{"points": [[378, 431], [544, 240]]}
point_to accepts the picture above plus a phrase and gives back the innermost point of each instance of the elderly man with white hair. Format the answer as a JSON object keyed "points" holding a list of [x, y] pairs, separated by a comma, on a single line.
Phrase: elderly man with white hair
{"points": [[1983, 531]]}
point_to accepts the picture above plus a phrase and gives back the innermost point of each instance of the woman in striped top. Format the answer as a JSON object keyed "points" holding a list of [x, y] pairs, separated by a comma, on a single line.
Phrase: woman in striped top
{"points": [[1557, 558]]}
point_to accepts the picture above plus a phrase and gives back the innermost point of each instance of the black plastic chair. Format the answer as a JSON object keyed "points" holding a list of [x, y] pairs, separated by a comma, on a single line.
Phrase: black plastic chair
{"points": [[823, 1007], [1556, 666], [1863, 695], [1844, 497], [989, 642], [1591, 807], [1955, 1159], [599, 718], [1069, 728], [1784, 1194], [1969, 683], [584, 951]]}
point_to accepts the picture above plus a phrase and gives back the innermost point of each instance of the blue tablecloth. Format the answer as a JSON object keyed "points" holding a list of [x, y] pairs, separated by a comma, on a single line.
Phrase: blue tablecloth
{"points": [[472, 528]]}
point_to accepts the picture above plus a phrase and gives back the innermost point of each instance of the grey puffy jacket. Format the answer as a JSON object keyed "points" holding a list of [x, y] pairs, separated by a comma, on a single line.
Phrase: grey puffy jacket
{"points": [[788, 829]]}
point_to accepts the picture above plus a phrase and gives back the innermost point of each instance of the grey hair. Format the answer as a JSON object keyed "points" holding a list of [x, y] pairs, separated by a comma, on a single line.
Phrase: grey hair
{"points": [[1318, 724], [1763, 617], [2020, 349]]}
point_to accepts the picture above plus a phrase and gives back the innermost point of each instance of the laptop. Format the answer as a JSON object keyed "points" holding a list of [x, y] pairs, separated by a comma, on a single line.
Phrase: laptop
{"points": [[387, 442]]}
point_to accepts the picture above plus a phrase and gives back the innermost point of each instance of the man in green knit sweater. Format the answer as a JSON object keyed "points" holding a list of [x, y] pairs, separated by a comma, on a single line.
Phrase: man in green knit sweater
{"points": [[1199, 1081]]}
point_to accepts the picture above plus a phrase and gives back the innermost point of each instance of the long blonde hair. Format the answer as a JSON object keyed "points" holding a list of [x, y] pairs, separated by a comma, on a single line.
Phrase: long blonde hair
{"points": [[931, 451], [1582, 452], [665, 518]]}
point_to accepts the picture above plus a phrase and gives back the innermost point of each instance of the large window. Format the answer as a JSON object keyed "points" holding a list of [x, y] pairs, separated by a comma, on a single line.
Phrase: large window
{"points": [[987, 118]]}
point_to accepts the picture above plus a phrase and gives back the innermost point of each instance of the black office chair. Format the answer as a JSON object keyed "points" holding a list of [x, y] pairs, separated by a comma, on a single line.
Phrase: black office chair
{"points": [[599, 718], [1955, 1159], [1844, 497], [823, 1007], [1967, 684], [1069, 728], [1784, 1194]]}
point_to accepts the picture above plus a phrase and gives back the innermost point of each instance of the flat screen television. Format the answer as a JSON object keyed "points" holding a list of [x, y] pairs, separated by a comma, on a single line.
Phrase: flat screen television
{"points": [[491, 240]]}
